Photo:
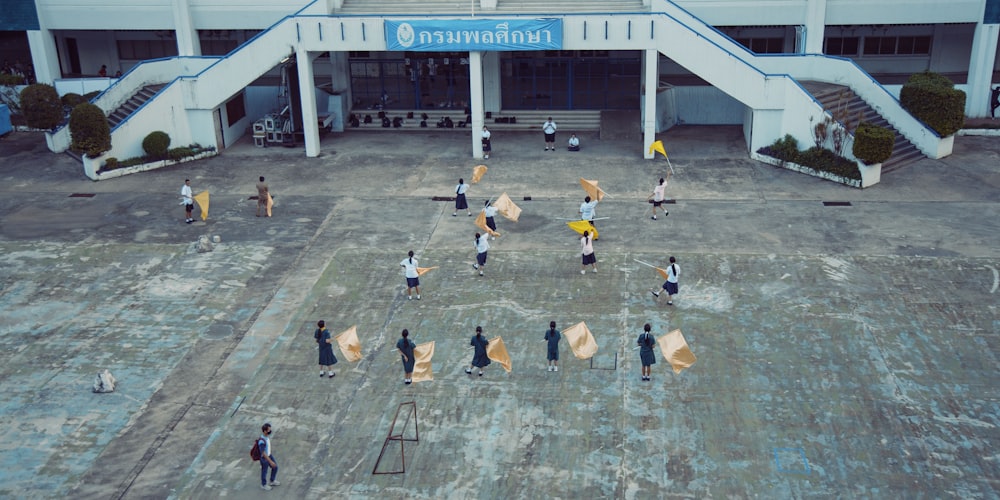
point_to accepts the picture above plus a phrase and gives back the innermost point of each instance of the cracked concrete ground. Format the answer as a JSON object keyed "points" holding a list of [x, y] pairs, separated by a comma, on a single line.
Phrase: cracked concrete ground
{"points": [[842, 351]]}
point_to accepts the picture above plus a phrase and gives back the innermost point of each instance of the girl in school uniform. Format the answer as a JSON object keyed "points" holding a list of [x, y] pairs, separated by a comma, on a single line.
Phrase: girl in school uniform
{"points": [[405, 347], [589, 257], [487, 145], [490, 212], [482, 246], [409, 264], [646, 342], [479, 358], [552, 336], [460, 202]]}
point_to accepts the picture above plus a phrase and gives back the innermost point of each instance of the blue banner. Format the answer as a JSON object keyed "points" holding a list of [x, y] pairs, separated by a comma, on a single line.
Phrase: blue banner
{"points": [[473, 34]]}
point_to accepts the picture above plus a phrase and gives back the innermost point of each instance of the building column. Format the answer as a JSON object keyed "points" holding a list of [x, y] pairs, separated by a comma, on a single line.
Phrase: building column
{"points": [[307, 93], [491, 81], [44, 56], [188, 42], [815, 27], [984, 52], [476, 101], [651, 79]]}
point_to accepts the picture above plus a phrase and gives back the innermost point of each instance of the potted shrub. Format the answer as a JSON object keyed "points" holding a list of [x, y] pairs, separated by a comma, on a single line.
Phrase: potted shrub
{"points": [[872, 145], [91, 135], [41, 106], [156, 144], [933, 99]]}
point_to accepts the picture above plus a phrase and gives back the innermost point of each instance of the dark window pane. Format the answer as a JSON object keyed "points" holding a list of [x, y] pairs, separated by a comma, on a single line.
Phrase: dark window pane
{"points": [[922, 45]]}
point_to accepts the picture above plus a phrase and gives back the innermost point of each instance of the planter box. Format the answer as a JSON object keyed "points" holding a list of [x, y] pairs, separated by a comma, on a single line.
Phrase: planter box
{"points": [[770, 160], [58, 141], [870, 174], [97, 175]]}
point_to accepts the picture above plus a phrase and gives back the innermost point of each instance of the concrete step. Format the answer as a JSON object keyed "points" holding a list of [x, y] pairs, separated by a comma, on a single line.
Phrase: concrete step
{"points": [[133, 103]]}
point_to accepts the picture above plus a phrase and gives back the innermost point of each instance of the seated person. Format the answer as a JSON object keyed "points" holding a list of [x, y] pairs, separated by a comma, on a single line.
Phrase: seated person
{"points": [[574, 143]]}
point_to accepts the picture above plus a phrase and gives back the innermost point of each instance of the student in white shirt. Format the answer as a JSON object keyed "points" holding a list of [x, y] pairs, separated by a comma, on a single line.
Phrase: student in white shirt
{"points": [[482, 247], [588, 209], [487, 145], [187, 201], [549, 129], [490, 212], [671, 285], [409, 265], [658, 196], [460, 201], [573, 144], [589, 257]]}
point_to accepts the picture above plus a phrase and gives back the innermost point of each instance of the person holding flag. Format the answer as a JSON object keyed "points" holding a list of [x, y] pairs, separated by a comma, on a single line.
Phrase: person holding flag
{"points": [[671, 285], [552, 337], [589, 257], [482, 247], [409, 265], [460, 202], [588, 209], [646, 355], [405, 347], [187, 201], [326, 357], [490, 211], [479, 357], [658, 196]]}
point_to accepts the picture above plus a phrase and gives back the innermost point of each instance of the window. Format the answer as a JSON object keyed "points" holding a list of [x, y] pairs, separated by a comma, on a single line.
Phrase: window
{"points": [[842, 46], [763, 45], [146, 49], [217, 47], [235, 109], [891, 45]]}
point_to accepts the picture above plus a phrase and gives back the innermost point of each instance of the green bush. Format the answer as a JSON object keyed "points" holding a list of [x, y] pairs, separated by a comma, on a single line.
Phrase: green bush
{"points": [[89, 96], [8, 79], [70, 100], [110, 164], [181, 153], [89, 130], [156, 143], [817, 158], [41, 106], [873, 144], [934, 100]]}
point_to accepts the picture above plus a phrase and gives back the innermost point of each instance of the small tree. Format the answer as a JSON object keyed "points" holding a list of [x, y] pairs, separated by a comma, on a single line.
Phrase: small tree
{"points": [[156, 144], [89, 130], [873, 144], [41, 106], [933, 99]]}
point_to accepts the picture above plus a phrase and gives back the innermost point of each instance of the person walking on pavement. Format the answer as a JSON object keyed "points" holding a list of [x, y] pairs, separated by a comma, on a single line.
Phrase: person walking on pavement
{"points": [[405, 347], [460, 202], [482, 247], [671, 285], [479, 358], [487, 145], [490, 212], [326, 356], [646, 356], [409, 264], [658, 197], [549, 129], [262, 195], [552, 337], [187, 200], [587, 250], [267, 458]]}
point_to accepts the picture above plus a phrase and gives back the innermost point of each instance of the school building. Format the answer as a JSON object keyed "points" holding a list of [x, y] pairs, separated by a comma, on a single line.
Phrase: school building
{"points": [[205, 71]]}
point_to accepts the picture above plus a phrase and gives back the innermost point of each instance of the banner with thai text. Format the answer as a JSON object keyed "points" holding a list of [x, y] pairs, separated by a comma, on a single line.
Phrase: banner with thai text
{"points": [[473, 34]]}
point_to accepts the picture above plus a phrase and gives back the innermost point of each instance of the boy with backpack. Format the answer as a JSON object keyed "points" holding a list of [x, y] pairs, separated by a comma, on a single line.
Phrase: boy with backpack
{"points": [[261, 451]]}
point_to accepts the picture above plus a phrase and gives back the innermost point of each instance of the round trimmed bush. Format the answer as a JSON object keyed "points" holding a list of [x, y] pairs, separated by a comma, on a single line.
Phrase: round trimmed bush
{"points": [[873, 144], [89, 130], [933, 99], [156, 144], [71, 99], [41, 106]]}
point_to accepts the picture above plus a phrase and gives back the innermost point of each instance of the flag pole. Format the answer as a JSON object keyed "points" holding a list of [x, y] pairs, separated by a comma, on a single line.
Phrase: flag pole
{"points": [[645, 263]]}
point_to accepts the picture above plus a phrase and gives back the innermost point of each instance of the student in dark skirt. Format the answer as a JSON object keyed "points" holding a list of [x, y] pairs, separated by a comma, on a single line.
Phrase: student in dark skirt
{"points": [[646, 342], [460, 202], [552, 336], [482, 249], [405, 347], [487, 145], [589, 257], [326, 357], [479, 358], [490, 212]]}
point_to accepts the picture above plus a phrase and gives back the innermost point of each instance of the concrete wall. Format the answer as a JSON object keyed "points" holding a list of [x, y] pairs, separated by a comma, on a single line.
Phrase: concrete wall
{"points": [[707, 106], [793, 12]]}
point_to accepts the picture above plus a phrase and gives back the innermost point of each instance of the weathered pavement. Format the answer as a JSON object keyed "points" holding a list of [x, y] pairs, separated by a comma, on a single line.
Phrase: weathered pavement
{"points": [[842, 351]]}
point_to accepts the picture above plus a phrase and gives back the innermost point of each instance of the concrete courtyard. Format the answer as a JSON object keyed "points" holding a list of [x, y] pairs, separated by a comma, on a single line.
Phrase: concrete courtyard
{"points": [[843, 351]]}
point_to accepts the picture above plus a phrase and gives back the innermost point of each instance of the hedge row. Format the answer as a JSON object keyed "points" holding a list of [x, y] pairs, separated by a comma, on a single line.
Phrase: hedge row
{"points": [[787, 149], [933, 99]]}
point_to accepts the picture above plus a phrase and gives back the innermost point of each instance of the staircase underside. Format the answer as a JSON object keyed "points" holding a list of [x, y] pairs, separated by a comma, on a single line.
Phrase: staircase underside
{"points": [[841, 101]]}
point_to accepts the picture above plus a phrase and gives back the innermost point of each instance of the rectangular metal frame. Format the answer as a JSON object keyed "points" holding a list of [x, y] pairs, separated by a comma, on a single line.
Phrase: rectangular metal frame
{"points": [[393, 436]]}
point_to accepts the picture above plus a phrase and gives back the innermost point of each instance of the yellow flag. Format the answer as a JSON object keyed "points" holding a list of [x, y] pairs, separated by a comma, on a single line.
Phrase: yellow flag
{"points": [[497, 351], [591, 188], [657, 146], [424, 270], [269, 204], [507, 208], [675, 350], [663, 272], [581, 225], [202, 200], [422, 355], [349, 344], [481, 224], [581, 341], [477, 173]]}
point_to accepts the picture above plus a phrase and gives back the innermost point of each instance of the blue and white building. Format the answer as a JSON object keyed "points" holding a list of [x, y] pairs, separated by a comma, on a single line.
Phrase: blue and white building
{"points": [[205, 70]]}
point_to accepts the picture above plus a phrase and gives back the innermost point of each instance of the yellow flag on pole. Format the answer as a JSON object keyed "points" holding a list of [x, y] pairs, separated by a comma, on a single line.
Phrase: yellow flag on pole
{"points": [[202, 200], [591, 188], [477, 173], [424, 270], [349, 344], [663, 272], [675, 350], [581, 225], [481, 224], [581, 341], [497, 351], [657, 146], [507, 208], [422, 355]]}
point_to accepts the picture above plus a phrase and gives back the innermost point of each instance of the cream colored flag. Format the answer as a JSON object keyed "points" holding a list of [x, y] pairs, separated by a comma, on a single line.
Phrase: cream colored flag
{"points": [[202, 200], [581, 341], [675, 349], [350, 346], [507, 208], [422, 355], [477, 173], [663, 272], [591, 188], [424, 270], [481, 224], [497, 351]]}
